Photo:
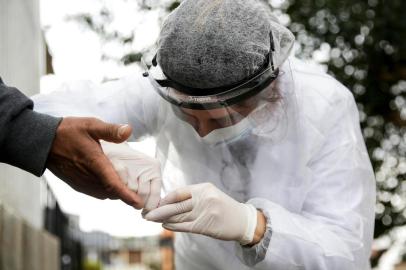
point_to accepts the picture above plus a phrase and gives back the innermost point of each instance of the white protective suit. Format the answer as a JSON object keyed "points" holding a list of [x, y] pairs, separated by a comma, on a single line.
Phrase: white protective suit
{"points": [[314, 184]]}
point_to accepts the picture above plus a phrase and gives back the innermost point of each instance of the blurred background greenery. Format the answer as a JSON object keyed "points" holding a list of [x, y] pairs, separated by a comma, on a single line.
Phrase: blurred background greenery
{"points": [[366, 41]]}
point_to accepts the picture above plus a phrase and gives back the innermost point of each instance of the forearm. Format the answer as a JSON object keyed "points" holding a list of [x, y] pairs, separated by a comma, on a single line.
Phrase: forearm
{"points": [[260, 228], [26, 136], [291, 240], [29, 140]]}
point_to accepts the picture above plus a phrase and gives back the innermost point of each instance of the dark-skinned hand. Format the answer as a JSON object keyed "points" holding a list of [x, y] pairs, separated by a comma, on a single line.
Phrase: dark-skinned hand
{"points": [[77, 158]]}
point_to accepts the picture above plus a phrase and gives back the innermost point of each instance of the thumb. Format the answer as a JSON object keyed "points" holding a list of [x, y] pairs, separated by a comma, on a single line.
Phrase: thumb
{"points": [[109, 132]]}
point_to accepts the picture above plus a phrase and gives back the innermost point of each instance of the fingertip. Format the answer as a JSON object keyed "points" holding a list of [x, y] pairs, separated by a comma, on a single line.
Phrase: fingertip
{"points": [[133, 200], [144, 212], [159, 202], [127, 195], [154, 216], [124, 132], [167, 227], [147, 216], [138, 204]]}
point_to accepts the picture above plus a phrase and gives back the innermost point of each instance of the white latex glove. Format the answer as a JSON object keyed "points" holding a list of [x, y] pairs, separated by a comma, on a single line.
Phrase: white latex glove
{"points": [[204, 209], [138, 171]]}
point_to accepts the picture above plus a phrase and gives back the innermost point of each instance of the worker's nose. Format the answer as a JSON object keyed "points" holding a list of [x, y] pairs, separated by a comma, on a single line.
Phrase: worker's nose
{"points": [[205, 128]]}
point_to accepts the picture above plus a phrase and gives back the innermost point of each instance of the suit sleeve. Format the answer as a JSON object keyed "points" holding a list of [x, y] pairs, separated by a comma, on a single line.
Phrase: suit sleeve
{"points": [[334, 228], [26, 136], [129, 100]]}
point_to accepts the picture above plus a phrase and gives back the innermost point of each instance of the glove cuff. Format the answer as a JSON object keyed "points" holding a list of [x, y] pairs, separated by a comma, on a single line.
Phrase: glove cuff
{"points": [[249, 232]]}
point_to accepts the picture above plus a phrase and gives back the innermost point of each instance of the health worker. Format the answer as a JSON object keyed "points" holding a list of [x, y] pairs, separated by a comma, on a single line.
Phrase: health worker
{"points": [[261, 156]]}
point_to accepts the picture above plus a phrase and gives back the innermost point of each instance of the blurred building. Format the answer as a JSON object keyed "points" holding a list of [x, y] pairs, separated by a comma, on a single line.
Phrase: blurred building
{"points": [[167, 250], [26, 241], [103, 251], [34, 232], [58, 224], [22, 59]]}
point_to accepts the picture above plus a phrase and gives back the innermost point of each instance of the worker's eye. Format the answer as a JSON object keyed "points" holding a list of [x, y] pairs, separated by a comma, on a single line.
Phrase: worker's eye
{"points": [[230, 120], [236, 117], [220, 122], [188, 119], [192, 121]]}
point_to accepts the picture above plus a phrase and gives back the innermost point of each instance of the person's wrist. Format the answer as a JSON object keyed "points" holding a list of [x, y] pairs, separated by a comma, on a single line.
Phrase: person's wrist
{"points": [[250, 216], [260, 228]]}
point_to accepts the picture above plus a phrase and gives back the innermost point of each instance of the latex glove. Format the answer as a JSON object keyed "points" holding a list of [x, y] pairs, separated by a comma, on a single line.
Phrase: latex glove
{"points": [[138, 171], [204, 209]]}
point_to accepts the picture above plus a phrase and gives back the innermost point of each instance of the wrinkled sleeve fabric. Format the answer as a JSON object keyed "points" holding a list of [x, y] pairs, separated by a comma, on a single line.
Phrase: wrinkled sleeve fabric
{"points": [[26, 136], [130, 100], [334, 230]]}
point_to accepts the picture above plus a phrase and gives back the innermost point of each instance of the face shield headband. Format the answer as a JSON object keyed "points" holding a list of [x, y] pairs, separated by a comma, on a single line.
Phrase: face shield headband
{"points": [[219, 97]]}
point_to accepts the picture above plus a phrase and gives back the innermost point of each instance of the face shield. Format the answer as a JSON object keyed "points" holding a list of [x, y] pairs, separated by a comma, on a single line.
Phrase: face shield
{"points": [[223, 114], [223, 134], [225, 144]]}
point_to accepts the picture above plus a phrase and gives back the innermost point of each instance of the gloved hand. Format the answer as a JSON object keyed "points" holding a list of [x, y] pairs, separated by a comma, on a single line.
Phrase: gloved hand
{"points": [[206, 210], [139, 172]]}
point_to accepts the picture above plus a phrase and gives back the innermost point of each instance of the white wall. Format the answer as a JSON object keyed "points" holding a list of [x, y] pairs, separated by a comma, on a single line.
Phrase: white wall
{"points": [[22, 59]]}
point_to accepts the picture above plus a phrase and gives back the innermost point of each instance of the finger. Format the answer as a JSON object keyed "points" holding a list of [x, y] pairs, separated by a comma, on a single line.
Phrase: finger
{"points": [[144, 190], [113, 197], [121, 170], [178, 195], [98, 193], [133, 184], [167, 211], [185, 217], [102, 167], [179, 227], [108, 132], [102, 195], [155, 195]]}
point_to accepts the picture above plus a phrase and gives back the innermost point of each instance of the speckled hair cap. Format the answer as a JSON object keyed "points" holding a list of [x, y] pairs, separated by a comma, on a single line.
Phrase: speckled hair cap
{"points": [[213, 43]]}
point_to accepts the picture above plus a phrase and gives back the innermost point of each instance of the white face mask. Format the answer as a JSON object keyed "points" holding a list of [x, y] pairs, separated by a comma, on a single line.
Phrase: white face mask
{"points": [[228, 134]]}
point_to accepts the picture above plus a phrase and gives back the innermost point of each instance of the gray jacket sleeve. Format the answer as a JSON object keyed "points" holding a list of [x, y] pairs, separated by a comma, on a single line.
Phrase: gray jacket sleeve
{"points": [[26, 136]]}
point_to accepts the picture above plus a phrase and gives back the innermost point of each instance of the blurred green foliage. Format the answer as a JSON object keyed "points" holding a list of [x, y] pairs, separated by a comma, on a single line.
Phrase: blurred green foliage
{"points": [[366, 42], [174, 5], [131, 58], [91, 265]]}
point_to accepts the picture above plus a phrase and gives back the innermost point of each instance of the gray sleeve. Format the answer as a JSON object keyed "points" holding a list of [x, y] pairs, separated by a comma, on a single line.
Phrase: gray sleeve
{"points": [[250, 256], [26, 136]]}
